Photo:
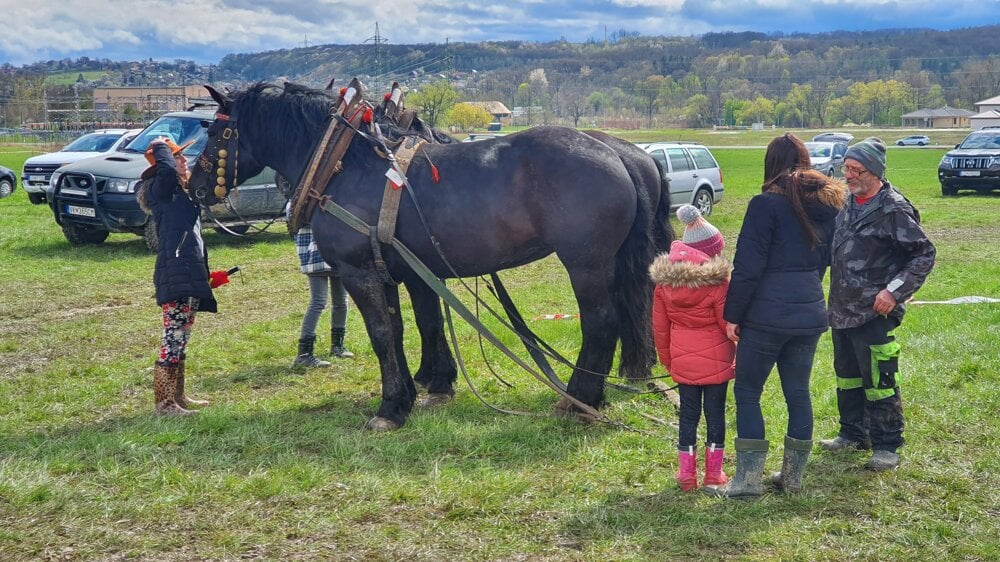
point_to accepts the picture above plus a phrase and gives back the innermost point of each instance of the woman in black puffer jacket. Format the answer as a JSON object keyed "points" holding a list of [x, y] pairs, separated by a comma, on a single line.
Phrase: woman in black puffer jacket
{"points": [[775, 307], [181, 275]]}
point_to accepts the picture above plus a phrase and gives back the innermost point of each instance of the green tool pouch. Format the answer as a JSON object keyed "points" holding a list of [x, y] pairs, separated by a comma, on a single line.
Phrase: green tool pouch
{"points": [[885, 365]]}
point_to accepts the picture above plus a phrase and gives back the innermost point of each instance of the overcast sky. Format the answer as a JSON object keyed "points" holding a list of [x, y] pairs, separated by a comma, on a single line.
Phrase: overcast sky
{"points": [[206, 30]]}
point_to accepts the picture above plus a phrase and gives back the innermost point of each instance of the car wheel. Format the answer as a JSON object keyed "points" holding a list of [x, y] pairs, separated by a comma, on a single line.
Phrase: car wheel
{"points": [[948, 190], [829, 173], [921, 143], [36, 198], [79, 236], [150, 236], [899, 143], [6, 188], [704, 201], [237, 229]]}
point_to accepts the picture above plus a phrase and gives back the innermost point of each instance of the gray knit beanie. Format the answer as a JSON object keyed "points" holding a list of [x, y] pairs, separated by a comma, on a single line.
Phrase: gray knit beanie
{"points": [[871, 154]]}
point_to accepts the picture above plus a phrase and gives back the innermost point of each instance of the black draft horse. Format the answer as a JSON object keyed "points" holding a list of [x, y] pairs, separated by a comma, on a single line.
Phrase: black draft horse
{"points": [[596, 201]]}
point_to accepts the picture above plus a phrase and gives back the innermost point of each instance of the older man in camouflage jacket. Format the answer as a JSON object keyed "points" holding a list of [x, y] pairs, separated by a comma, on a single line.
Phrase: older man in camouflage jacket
{"points": [[881, 257]]}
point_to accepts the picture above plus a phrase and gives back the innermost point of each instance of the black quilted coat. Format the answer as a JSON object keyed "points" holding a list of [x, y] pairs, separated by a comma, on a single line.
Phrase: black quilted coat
{"points": [[181, 260]]}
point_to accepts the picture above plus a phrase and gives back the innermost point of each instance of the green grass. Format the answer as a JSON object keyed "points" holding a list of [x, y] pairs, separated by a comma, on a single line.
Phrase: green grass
{"points": [[279, 467], [67, 78]]}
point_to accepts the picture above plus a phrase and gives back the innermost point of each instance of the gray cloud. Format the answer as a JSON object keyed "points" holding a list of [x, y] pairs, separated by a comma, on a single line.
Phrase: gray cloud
{"points": [[205, 31]]}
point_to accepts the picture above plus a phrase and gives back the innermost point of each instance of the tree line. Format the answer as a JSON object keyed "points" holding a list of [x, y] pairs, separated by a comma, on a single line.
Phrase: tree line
{"points": [[735, 79]]}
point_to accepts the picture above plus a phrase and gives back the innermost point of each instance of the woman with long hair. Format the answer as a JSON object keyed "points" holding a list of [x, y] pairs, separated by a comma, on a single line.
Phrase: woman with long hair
{"points": [[775, 307]]}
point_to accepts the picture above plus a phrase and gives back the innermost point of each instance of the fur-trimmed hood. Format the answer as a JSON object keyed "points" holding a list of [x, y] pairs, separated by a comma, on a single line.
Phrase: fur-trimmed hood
{"points": [[820, 193], [687, 274]]}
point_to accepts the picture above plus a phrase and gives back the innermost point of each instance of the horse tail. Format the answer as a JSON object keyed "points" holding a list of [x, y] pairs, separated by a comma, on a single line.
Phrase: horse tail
{"points": [[663, 231], [633, 289]]}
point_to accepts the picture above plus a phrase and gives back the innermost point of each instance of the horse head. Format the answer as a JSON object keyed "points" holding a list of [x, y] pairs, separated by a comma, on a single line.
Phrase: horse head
{"points": [[227, 160]]}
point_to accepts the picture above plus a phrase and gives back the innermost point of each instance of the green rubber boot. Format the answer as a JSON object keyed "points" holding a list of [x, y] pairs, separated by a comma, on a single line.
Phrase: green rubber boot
{"points": [[749, 479], [793, 464]]}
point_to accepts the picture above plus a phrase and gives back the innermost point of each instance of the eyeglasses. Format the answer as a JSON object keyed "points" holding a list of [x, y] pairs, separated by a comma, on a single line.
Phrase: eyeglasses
{"points": [[859, 171]]}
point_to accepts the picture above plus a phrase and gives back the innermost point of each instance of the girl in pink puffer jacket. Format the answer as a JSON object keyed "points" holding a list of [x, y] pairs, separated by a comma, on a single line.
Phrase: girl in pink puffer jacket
{"points": [[690, 335]]}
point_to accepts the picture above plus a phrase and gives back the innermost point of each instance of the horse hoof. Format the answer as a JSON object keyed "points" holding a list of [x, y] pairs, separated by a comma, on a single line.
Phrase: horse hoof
{"points": [[382, 424], [436, 399], [566, 409]]}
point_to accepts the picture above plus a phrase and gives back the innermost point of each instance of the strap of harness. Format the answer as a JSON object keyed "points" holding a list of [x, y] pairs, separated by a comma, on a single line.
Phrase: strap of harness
{"points": [[394, 189]]}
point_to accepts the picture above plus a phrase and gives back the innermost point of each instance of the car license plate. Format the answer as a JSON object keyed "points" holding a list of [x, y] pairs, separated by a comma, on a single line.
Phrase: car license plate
{"points": [[38, 179], [969, 173], [80, 211]]}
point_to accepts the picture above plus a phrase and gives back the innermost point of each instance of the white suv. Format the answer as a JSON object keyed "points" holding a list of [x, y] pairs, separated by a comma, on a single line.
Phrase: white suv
{"points": [[38, 169], [694, 174]]}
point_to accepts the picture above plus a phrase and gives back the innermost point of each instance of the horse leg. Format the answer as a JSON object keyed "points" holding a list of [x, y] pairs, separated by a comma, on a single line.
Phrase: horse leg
{"points": [[599, 324], [379, 307], [437, 372]]}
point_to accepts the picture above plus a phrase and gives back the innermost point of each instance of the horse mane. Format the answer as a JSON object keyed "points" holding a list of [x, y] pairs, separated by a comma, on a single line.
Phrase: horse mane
{"points": [[299, 113]]}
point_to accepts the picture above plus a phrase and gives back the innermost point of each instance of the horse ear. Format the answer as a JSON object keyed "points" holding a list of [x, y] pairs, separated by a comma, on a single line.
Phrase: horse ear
{"points": [[219, 98], [329, 85]]}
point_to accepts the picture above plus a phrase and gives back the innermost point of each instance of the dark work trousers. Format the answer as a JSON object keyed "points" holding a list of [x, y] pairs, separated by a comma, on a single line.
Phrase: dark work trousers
{"points": [[714, 396], [871, 409], [756, 355]]}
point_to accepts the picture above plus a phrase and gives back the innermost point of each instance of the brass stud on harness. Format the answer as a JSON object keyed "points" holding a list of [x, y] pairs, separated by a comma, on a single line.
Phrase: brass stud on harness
{"points": [[223, 153]]}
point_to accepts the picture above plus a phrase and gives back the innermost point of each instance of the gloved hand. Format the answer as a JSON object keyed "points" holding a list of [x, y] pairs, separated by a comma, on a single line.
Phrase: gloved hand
{"points": [[218, 278]]}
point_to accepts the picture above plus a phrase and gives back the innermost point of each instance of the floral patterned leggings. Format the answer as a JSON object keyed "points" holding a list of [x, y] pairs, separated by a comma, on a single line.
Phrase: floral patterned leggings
{"points": [[178, 317]]}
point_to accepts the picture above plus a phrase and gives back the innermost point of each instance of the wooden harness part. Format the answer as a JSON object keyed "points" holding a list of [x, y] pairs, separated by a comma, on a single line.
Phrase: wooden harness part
{"points": [[325, 160]]}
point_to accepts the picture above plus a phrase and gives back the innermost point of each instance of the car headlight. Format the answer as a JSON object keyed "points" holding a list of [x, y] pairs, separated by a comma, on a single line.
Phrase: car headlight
{"points": [[118, 185], [947, 162], [54, 179]]}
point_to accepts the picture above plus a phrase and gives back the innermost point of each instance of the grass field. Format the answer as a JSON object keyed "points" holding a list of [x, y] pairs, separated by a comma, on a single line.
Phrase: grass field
{"points": [[279, 467]]}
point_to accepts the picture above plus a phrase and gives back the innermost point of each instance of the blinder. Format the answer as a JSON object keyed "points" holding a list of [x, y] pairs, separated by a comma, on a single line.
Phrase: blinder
{"points": [[225, 147]]}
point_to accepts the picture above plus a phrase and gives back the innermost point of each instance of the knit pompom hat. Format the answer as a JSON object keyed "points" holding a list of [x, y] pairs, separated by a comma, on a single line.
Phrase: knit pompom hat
{"points": [[699, 233]]}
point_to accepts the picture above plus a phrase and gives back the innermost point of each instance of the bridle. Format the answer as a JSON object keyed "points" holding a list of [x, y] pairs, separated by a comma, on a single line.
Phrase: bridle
{"points": [[226, 147]]}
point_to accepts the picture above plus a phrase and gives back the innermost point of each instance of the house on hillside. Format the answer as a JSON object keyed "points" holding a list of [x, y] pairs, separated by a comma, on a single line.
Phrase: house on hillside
{"points": [[989, 114], [145, 100], [497, 111], [940, 118]]}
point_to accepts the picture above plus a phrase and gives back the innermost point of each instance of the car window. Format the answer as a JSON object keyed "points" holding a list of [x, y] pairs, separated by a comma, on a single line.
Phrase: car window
{"points": [[702, 158], [178, 129], [818, 151], [660, 157], [981, 141], [679, 160], [839, 150], [92, 142]]}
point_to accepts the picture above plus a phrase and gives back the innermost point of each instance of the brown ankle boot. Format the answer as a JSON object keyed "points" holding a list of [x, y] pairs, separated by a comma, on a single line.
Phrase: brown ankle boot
{"points": [[165, 380], [182, 399]]}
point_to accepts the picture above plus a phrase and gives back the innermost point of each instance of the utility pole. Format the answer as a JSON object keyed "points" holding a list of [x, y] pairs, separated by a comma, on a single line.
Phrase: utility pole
{"points": [[305, 41], [378, 41]]}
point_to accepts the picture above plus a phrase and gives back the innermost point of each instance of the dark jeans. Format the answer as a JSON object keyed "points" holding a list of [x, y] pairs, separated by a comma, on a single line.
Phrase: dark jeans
{"points": [[715, 413], [756, 354], [870, 404]]}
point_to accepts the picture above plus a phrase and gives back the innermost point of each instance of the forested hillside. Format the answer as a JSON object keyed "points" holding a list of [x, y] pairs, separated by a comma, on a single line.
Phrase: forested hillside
{"points": [[715, 79]]}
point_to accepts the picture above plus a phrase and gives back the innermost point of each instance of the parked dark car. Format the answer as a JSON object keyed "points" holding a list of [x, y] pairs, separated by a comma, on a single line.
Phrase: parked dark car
{"points": [[973, 164], [8, 181]]}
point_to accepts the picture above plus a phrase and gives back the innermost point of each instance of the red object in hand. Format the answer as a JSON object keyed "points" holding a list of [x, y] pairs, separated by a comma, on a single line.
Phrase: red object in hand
{"points": [[218, 278]]}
